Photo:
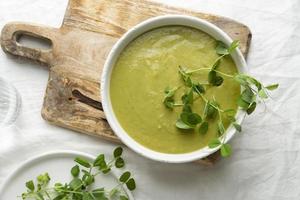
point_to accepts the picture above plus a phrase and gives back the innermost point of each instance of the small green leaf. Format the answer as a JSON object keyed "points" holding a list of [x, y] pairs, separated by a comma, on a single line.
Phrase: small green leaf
{"points": [[99, 194], [60, 197], [169, 103], [88, 179], [170, 92], [188, 98], [233, 46], [43, 178], [214, 79], [82, 162], [169, 97], [262, 94], [118, 152], [189, 82], [242, 103], [203, 128], [106, 170], [237, 126], [273, 86], [75, 184], [247, 95], [214, 143], [87, 196], [125, 176], [122, 197], [185, 76], [221, 48], [30, 185], [226, 150], [251, 108], [100, 159], [198, 88], [191, 119], [218, 81], [187, 108], [119, 163], [210, 111], [131, 184], [75, 171], [221, 128], [181, 125]]}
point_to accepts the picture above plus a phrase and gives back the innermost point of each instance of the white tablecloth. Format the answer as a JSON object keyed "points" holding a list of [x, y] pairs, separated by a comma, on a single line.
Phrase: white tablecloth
{"points": [[266, 162]]}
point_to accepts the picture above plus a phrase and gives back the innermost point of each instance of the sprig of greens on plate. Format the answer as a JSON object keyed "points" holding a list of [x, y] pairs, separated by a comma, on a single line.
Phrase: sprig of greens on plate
{"points": [[253, 92], [84, 174]]}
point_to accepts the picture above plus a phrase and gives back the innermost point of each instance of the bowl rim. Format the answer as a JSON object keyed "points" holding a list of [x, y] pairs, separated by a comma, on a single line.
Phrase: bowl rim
{"points": [[113, 55]]}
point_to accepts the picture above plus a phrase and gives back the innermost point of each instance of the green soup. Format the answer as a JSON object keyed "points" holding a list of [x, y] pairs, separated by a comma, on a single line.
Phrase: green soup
{"points": [[146, 67]]}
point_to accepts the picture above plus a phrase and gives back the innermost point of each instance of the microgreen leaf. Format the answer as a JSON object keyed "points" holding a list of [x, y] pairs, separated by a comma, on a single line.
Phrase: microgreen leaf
{"points": [[221, 48], [203, 128], [215, 79], [247, 95], [75, 171], [262, 94], [187, 108], [99, 194], [191, 119], [119, 163], [243, 104], [185, 76], [188, 98], [30, 185], [210, 111], [214, 143], [221, 127], [237, 126], [169, 97], [100, 159], [43, 178], [75, 184], [131, 184], [251, 108], [226, 150], [233, 46], [118, 152], [198, 88], [124, 177], [272, 87], [82, 162], [123, 197], [181, 125]]}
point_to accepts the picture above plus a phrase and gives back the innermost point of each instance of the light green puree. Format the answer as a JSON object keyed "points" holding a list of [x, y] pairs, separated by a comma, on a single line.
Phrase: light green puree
{"points": [[147, 66]]}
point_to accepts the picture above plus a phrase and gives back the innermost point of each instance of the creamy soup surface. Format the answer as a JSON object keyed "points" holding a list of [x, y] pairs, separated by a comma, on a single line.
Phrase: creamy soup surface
{"points": [[147, 66]]}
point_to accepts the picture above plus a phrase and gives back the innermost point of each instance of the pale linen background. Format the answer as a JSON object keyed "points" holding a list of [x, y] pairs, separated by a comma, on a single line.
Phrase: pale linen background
{"points": [[266, 162]]}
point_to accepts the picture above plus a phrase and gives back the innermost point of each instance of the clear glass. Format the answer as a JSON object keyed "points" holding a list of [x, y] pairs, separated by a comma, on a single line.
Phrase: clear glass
{"points": [[10, 103]]}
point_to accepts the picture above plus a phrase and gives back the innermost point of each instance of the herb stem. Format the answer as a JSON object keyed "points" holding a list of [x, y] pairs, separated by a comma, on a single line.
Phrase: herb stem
{"points": [[224, 74]]}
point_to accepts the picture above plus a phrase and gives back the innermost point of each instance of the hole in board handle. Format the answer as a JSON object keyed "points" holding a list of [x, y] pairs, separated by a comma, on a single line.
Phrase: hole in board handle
{"points": [[33, 41]]}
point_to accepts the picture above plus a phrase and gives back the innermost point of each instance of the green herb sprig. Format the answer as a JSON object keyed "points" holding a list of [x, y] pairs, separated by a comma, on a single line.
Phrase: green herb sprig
{"points": [[84, 174], [253, 92]]}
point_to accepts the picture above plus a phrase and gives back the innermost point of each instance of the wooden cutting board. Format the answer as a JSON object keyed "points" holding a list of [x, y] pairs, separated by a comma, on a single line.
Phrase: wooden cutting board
{"points": [[79, 48]]}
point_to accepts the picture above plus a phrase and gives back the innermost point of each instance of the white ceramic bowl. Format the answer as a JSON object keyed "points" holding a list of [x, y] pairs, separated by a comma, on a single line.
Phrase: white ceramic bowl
{"points": [[133, 33]]}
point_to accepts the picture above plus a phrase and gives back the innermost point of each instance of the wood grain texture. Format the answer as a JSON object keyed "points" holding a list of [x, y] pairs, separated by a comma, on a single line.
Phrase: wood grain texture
{"points": [[79, 48]]}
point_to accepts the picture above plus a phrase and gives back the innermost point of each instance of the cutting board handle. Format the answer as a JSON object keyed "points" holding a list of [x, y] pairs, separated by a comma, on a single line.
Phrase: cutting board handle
{"points": [[13, 31]]}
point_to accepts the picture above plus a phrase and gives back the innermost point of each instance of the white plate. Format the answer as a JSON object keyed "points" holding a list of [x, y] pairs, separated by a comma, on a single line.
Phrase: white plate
{"points": [[58, 165]]}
